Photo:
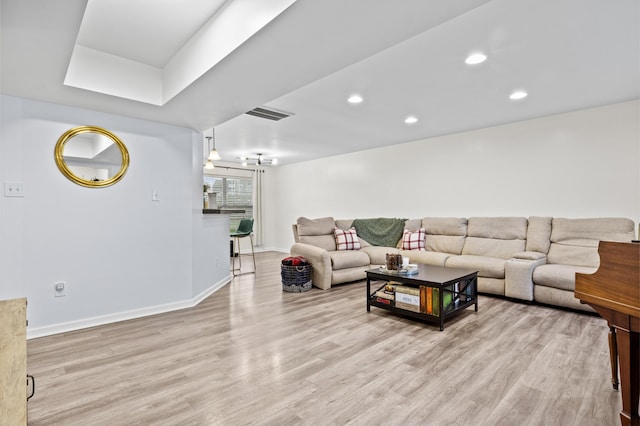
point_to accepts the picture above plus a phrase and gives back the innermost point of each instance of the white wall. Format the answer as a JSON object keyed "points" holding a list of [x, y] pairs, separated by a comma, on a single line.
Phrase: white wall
{"points": [[120, 254], [580, 164]]}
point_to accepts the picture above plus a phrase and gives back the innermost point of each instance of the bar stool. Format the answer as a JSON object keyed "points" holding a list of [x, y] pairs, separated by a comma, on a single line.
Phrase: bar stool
{"points": [[245, 229]]}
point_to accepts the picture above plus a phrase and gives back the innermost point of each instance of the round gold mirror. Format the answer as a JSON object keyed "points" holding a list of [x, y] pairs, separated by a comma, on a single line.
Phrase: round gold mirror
{"points": [[91, 156]]}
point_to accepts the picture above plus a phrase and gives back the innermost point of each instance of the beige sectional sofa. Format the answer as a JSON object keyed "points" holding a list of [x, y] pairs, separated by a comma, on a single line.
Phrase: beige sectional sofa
{"points": [[532, 259]]}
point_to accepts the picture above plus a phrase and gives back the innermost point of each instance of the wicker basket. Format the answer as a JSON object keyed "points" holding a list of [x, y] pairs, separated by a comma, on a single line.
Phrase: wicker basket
{"points": [[296, 279]]}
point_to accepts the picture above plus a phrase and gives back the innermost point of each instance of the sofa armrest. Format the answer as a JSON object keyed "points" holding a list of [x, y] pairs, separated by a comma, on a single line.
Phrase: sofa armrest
{"points": [[296, 237], [518, 274], [320, 261], [529, 255]]}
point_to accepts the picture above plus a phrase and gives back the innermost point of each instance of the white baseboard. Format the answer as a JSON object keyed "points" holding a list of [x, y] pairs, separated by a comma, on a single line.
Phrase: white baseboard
{"points": [[283, 250], [261, 249], [64, 327]]}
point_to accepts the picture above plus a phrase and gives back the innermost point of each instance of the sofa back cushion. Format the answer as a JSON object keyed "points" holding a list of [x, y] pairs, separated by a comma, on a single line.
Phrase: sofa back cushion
{"points": [[499, 237], [445, 234], [344, 223], [317, 232], [539, 234], [413, 225], [575, 241], [321, 226]]}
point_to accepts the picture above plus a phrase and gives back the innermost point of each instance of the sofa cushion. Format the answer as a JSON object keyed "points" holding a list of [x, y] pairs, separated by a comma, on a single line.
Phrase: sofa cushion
{"points": [[445, 225], [492, 247], [321, 226], [575, 241], [575, 252], [326, 242], [562, 277], [413, 224], [344, 223], [444, 243], [503, 228], [602, 228], [538, 234], [495, 236], [378, 254], [413, 240], [445, 234], [346, 239], [426, 257], [489, 267], [348, 259], [339, 276]]}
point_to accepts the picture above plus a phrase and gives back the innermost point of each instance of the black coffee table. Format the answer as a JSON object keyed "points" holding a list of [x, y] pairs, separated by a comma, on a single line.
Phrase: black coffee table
{"points": [[442, 292]]}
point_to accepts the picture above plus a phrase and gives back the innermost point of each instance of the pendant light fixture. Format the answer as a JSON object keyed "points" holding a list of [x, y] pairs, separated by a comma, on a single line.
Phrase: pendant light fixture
{"points": [[259, 160], [213, 154]]}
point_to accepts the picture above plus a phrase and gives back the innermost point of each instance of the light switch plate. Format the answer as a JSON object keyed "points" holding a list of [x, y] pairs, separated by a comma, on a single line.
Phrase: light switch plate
{"points": [[155, 196], [13, 189]]}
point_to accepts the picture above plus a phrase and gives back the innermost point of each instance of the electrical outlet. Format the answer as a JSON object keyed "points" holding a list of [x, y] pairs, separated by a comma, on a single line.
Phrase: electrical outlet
{"points": [[13, 189], [59, 290]]}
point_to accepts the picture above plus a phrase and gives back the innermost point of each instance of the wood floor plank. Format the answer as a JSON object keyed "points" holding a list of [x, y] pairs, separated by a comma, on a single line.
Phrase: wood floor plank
{"points": [[253, 354]]}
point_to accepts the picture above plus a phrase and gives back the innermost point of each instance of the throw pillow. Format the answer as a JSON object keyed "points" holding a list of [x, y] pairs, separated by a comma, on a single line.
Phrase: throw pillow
{"points": [[413, 240], [346, 240]]}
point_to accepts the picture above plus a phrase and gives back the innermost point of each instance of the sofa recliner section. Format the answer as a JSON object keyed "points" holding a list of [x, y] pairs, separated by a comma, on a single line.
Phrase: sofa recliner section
{"points": [[573, 247], [490, 242]]}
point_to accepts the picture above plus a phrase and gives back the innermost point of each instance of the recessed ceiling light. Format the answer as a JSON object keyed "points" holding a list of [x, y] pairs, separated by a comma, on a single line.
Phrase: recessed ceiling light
{"points": [[355, 99], [518, 94], [411, 119], [475, 58]]}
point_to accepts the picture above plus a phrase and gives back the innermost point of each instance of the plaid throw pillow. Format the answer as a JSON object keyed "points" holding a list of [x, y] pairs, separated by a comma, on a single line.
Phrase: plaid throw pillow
{"points": [[346, 240], [413, 240]]}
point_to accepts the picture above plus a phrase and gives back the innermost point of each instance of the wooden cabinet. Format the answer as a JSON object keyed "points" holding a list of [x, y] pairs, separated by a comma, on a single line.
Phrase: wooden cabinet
{"points": [[13, 362]]}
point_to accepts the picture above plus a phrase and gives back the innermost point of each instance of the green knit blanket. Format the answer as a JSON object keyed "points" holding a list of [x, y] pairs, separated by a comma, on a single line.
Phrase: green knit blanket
{"points": [[380, 231]]}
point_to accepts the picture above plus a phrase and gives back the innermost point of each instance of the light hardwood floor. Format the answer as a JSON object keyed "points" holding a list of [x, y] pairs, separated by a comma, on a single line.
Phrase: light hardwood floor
{"points": [[252, 354]]}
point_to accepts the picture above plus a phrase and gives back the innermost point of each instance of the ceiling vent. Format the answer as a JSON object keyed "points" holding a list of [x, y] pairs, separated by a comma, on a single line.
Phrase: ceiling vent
{"points": [[269, 114]]}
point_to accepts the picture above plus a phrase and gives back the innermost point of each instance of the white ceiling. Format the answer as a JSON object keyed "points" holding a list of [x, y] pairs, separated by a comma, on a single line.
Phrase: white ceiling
{"points": [[146, 31], [403, 57]]}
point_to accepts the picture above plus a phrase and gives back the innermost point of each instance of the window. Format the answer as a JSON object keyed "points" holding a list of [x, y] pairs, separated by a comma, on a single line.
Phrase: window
{"points": [[233, 193]]}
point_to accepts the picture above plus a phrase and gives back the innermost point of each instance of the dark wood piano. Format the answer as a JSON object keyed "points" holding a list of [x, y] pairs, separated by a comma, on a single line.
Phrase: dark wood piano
{"points": [[613, 291]]}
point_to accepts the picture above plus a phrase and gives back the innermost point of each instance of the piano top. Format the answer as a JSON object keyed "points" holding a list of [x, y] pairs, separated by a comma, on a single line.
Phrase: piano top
{"points": [[616, 283]]}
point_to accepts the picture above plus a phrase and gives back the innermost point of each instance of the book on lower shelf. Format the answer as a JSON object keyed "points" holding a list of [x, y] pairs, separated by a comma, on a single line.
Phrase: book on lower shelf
{"points": [[383, 300], [430, 300], [409, 299], [384, 294], [383, 297], [407, 306]]}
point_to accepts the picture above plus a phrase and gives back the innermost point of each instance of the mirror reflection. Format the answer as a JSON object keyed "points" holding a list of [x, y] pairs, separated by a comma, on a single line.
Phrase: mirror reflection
{"points": [[91, 156]]}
